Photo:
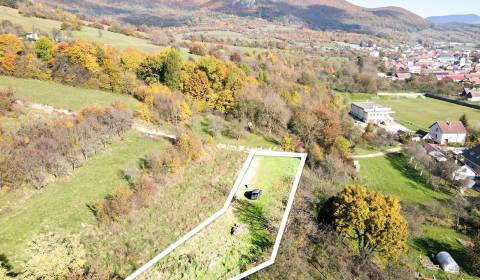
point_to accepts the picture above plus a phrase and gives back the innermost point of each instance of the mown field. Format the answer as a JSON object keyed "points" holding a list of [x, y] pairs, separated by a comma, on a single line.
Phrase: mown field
{"points": [[420, 113], [62, 205], [216, 253], [62, 96], [92, 34], [421, 205]]}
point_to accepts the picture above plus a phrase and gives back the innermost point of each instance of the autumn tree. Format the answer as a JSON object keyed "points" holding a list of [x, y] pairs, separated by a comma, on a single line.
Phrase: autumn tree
{"points": [[10, 47], [44, 48], [164, 67], [198, 87], [173, 66], [131, 58], [372, 220]]}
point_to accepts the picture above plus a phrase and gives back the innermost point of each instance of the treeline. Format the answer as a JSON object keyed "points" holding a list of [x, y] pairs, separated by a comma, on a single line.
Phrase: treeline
{"points": [[38, 153]]}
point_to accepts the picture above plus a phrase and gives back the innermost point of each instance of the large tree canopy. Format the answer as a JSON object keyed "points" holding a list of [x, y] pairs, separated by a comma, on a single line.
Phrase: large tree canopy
{"points": [[372, 219]]}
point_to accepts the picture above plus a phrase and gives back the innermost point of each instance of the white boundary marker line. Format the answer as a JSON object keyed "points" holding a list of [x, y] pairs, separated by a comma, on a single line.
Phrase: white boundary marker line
{"points": [[217, 215]]}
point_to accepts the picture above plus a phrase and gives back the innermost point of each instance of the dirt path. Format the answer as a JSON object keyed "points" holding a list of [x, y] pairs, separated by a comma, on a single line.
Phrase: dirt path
{"points": [[147, 129], [379, 154]]}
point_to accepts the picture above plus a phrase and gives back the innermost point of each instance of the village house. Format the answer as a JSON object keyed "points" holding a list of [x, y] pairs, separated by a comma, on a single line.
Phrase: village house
{"points": [[401, 76], [33, 36], [471, 94], [465, 173], [370, 112], [443, 132], [435, 152]]}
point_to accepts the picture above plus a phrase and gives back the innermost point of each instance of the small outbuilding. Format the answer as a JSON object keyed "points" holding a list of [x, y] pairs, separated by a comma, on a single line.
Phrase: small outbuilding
{"points": [[447, 263]]}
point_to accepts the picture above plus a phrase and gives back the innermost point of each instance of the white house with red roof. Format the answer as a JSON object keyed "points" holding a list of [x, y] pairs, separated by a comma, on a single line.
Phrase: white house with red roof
{"points": [[444, 132]]}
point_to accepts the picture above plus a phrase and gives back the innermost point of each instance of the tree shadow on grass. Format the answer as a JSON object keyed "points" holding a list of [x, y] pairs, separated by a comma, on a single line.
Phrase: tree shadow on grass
{"points": [[261, 239], [400, 163], [5, 263], [431, 246]]}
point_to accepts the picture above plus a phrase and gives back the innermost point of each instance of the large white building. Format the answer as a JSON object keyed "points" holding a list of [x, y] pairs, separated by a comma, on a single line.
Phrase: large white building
{"points": [[448, 132], [370, 112]]}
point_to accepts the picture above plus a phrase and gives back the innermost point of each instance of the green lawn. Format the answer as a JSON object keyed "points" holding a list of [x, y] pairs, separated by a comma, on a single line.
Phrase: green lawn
{"points": [[63, 205], [391, 174], [62, 96], [436, 239], [217, 254], [92, 34], [420, 113]]}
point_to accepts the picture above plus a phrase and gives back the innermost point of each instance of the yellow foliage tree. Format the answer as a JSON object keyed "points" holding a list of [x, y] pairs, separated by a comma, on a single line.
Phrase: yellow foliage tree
{"points": [[131, 58], [83, 53], [10, 46], [371, 219]]}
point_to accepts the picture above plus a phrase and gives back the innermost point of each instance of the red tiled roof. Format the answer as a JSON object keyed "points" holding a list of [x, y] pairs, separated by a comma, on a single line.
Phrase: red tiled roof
{"points": [[455, 127]]}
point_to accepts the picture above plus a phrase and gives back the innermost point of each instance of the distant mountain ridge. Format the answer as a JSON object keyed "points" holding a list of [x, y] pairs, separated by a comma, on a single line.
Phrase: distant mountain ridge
{"points": [[467, 19], [329, 15], [324, 14]]}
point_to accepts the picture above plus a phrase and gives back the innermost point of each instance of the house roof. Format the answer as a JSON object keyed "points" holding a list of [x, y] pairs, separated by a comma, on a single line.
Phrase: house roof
{"points": [[474, 92], [453, 127], [473, 155], [371, 106]]}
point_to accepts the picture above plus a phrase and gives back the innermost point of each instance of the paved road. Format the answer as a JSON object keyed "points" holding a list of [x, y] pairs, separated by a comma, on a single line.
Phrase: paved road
{"points": [[379, 154]]}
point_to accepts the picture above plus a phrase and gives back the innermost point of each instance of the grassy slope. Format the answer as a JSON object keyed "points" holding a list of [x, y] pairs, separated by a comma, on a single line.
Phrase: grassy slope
{"points": [[216, 254], [185, 200], [62, 96], [391, 175], [420, 113], [92, 34], [64, 203], [248, 139]]}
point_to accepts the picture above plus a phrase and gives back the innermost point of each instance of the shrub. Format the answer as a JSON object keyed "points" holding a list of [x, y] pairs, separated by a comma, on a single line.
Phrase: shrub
{"points": [[54, 256], [198, 48], [189, 146], [170, 107], [7, 98], [112, 207], [143, 190]]}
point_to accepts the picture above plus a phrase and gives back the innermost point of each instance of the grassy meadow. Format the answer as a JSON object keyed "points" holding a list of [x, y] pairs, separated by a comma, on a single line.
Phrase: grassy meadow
{"points": [[63, 96], [116, 40], [215, 253], [183, 201], [431, 230], [63, 204], [420, 113]]}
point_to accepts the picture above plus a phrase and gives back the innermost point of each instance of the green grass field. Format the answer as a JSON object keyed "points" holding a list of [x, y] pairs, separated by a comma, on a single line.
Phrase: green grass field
{"points": [[392, 175], [217, 254], [63, 204], [62, 96], [91, 34], [420, 113]]}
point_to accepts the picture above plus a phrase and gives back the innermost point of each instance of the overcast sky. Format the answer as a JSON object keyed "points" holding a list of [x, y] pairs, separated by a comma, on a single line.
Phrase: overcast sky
{"points": [[427, 8]]}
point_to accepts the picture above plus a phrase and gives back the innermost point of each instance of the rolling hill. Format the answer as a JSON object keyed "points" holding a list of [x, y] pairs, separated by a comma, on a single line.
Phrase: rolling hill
{"points": [[467, 19], [315, 14]]}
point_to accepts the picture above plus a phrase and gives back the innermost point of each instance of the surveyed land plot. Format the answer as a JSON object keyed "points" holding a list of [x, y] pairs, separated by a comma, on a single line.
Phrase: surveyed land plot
{"points": [[244, 236]]}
